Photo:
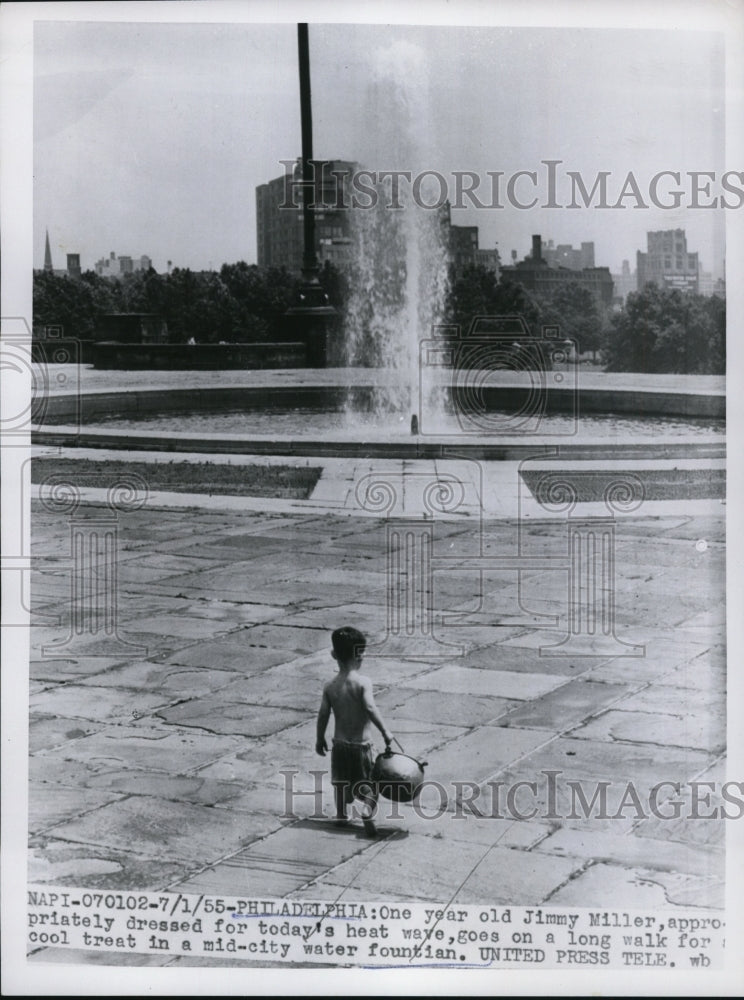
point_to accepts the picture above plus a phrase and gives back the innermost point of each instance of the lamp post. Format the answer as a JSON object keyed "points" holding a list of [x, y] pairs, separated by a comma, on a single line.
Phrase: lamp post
{"points": [[312, 317]]}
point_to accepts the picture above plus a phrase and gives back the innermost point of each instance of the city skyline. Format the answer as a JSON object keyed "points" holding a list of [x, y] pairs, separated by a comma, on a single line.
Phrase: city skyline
{"points": [[163, 156]]}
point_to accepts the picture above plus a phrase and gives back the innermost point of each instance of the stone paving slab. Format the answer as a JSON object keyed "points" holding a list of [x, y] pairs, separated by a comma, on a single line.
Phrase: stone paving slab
{"points": [[104, 704], [523, 660], [231, 653], [368, 618], [482, 753], [293, 856], [494, 683], [419, 867], [188, 788], [48, 806], [56, 771], [699, 818], [287, 768], [428, 820], [690, 730], [177, 831], [552, 644], [47, 733], [235, 614], [567, 706], [465, 710], [213, 715], [233, 586], [133, 747], [679, 701], [187, 626], [292, 638], [275, 799], [711, 617], [505, 876], [634, 851], [587, 764], [639, 888], [96, 866], [632, 671], [247, 547], [475, 873], [173, 681], [706, 672], [128, 643], [78, 669], [643, 763]]}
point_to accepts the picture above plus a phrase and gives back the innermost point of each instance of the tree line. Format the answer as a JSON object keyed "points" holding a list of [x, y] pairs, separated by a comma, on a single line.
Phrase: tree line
{"points": [[658, 330]]}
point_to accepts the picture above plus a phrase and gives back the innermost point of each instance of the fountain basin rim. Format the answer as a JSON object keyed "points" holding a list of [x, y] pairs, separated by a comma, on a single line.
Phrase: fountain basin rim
{"points": [[421, 447]]}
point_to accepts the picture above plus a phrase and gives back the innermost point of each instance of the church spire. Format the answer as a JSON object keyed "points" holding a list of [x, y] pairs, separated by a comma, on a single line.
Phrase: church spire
{"points": [[47, 255]]}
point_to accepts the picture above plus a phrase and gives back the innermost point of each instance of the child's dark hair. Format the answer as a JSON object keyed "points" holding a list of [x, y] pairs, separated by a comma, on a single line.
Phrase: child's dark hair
{"points": [[347, 643]]}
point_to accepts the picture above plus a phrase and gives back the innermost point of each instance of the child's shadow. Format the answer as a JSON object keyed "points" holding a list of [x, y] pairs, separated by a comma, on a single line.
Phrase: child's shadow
{"points": [[352, 828]]}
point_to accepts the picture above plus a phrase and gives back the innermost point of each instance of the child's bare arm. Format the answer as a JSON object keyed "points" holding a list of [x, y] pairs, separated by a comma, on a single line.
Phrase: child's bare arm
{"points": [[324, 714], [372, 712]]}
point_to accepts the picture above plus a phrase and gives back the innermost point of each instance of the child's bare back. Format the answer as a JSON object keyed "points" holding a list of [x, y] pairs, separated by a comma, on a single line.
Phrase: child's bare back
{"points": [[352, 702]]}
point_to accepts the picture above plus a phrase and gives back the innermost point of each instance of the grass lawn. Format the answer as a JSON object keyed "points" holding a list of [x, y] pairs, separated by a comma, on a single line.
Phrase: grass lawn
{"points": [[278, 481]]}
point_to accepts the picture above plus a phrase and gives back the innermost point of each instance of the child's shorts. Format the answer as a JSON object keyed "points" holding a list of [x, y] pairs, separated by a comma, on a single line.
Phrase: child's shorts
{"points": [[351, 766]]}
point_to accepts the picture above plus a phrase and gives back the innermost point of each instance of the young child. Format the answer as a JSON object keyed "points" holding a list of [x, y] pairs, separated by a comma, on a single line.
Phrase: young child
{"points": [[349, 696]]}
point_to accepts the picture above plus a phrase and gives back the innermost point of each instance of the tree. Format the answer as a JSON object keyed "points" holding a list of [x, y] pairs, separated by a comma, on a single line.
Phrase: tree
{"points": [[665, 330], [74, 304], [477, 292], [576, 312]]}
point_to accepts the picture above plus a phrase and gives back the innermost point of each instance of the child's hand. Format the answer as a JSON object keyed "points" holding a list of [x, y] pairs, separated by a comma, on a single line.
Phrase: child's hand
{"points": [[321, 747]]}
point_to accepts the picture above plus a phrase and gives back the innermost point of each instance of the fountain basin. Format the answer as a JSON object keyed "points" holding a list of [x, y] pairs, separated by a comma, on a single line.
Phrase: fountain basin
{"points": [[69, 419]]}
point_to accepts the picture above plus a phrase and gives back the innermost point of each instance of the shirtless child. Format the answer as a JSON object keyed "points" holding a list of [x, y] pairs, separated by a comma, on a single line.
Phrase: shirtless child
{"points": [[349, 696]]}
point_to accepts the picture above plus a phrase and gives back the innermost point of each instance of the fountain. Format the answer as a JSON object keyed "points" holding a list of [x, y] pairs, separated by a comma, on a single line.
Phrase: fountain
{"points": [[398, 280], [400, 380]]}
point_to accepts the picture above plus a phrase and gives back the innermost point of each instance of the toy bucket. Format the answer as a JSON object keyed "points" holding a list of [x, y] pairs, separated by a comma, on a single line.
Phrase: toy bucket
{"points": [[398, 776]]}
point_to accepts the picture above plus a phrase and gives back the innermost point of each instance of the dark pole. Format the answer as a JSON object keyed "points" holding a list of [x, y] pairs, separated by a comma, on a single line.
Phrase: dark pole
{"points": [[309, 258], [312, 319]]}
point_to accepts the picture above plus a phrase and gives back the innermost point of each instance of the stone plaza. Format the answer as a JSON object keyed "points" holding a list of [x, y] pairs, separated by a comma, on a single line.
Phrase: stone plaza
{"points": [[172, 745]]}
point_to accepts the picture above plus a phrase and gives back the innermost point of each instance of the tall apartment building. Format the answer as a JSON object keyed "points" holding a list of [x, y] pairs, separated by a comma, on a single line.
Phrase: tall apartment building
{"points": [[279, 236], [667, 262]]}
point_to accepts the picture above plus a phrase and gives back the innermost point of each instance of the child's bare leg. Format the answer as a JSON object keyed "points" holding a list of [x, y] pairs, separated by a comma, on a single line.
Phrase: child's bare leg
{"points": [[368, 795], [341, 795]]}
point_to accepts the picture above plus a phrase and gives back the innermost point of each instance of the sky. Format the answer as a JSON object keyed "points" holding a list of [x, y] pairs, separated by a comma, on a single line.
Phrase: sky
{"points": [[150, 138]]}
